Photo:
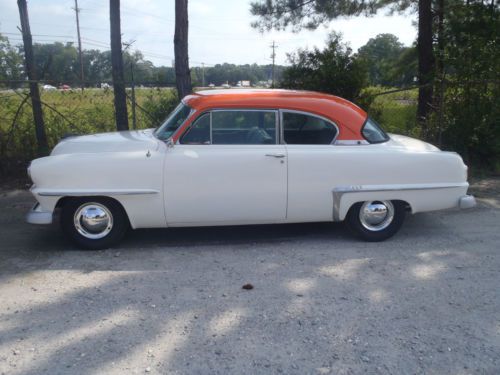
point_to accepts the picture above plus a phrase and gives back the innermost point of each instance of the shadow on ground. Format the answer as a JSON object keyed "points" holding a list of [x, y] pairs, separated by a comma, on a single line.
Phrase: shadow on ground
{"points": [[170, 301]]}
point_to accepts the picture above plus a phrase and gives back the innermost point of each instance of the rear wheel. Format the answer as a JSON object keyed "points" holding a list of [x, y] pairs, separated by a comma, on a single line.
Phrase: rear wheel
{"points": [[376, 220], [94, 223]]}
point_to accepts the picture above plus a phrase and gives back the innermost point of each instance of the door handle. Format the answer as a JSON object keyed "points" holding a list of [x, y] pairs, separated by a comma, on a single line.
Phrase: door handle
{"points": [[279, 156]]}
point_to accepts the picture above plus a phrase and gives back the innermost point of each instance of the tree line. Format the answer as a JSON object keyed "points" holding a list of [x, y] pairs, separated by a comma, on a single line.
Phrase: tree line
{"points": [[387, 63], [58, 63]]}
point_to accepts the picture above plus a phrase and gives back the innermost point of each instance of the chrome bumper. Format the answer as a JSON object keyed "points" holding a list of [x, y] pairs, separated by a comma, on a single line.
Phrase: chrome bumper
{"points": [[37, 216], [467, 201]]}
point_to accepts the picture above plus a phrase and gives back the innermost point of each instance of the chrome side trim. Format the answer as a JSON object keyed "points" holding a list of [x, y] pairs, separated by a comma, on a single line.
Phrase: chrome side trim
{"points": [[351, 142], [82, 193], [339, 191]]}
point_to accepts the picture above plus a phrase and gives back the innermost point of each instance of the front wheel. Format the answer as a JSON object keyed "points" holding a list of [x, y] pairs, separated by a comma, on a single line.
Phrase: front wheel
{"points": [[376, 220], [94, 223]]}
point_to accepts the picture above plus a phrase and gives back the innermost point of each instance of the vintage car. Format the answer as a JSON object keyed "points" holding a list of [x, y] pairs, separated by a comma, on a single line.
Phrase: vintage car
{"points": [[239, 156]]}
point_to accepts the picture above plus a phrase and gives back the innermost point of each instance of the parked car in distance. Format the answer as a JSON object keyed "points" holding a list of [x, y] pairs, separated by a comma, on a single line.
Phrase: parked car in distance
{"points": [[49, 87], [234, 157], [64, 87]]}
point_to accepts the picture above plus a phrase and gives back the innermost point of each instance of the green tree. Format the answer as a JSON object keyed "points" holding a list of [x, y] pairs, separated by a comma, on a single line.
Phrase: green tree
{"points": [[56, 62], [334, 70], [471, 117], [380, 54], [96, 66], [11, 62], [279, 14]]}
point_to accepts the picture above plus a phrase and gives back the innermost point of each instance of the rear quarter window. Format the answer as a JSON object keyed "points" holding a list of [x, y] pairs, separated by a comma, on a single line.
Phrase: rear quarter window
{"points": [[373, 133]]}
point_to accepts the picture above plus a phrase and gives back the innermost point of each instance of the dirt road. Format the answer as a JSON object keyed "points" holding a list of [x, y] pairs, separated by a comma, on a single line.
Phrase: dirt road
{"points": [[171, 301]]}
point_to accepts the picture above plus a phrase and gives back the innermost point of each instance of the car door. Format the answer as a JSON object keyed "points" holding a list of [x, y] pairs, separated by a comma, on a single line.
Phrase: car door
{"points": [[227, 168], [313, 165]]}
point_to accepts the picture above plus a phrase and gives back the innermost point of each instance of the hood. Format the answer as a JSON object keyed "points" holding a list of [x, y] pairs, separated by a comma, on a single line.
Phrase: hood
{"points": [[408, 143], [124, 141]]}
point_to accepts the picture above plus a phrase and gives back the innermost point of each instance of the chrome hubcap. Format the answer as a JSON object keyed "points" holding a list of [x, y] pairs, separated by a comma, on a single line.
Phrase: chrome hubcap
{"points": [[93, 220], [376, 215]]}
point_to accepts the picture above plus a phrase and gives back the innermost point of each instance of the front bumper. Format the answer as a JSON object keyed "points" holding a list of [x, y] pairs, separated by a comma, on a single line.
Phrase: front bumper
{"points": [[467, 201], [37, 216]]}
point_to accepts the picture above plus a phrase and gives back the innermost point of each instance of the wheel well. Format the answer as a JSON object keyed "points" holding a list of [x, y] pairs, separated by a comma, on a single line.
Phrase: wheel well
{"points": [[64, 200], [405, 203]]}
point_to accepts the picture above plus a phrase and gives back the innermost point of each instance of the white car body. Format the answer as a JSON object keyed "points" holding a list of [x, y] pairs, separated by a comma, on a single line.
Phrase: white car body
{"points": [[168, 184], [193, 185]]}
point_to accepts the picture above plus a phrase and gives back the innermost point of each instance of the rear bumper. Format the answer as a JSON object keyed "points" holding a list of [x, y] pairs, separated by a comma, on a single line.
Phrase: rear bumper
{"points": [[467, 201], [37, 216]]}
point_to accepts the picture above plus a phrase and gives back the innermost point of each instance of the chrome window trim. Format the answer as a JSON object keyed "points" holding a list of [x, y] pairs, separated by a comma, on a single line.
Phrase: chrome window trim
{"points": [[307, 114], [210, 111]]}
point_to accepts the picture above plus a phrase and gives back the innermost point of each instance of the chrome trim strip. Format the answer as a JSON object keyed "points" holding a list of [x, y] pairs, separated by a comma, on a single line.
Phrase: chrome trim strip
{"points": [[339, 191], [82, 193], [351, 142]]}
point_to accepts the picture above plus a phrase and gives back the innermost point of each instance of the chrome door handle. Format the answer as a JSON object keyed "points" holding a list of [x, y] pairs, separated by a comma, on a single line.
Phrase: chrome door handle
{"points": [[280, 156]]}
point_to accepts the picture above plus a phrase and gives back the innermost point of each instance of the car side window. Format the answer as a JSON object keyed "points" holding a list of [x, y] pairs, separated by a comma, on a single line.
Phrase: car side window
{"points": [[304, 129], [199, 132], [240, 127]]}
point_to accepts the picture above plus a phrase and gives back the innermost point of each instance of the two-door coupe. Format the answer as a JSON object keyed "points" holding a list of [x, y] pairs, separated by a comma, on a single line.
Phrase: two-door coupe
{"points": [[235, 157]]}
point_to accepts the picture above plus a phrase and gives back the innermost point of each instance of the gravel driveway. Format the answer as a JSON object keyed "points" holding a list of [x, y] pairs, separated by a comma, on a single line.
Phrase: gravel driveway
{"points": [[171, 301]]}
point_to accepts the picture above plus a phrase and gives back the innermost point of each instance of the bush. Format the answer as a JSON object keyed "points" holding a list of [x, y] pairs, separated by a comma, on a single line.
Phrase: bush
{"points": [[334, 70]]}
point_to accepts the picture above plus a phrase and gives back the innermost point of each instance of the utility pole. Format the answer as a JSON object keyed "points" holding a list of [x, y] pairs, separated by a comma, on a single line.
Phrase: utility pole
{"points": [[182, 72], [273, 56], [77, 10], [202, 74], [120, 96], [36, 104], [134, 119]]}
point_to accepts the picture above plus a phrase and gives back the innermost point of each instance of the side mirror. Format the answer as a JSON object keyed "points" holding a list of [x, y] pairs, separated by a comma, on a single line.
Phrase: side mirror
{"points": [[170, 142]]}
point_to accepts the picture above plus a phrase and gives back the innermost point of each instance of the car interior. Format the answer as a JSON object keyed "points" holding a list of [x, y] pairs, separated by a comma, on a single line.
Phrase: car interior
{"points": [[258, 128]]}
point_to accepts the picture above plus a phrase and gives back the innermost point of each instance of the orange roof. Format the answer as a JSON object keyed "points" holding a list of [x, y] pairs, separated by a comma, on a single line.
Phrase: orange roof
{"points": [[347, 115]]}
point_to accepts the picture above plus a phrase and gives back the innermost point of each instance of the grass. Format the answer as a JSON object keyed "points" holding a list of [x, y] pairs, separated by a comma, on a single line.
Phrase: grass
{"points": [[91, 111]]}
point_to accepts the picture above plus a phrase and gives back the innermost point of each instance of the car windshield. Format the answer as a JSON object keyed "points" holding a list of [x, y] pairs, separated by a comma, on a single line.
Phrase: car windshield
{"points": [[173, 121]]}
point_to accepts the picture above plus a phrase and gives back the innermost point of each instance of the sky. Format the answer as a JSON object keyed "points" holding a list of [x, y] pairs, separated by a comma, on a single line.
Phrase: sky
{"points": [[219, 30]]}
